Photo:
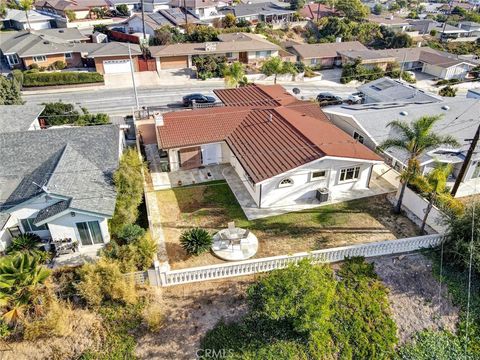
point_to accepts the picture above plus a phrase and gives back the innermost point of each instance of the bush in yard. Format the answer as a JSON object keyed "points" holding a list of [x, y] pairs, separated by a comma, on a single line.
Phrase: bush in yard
{"points": [[129, 233], [58, 65], [10, 92], [61, 78], [196, 241], [18, 76], [128, 181], [123, 10], [448, 91], [24, 242], [103, 281]]}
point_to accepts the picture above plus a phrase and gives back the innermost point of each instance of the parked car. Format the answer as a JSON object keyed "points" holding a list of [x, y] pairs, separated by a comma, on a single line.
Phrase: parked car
{"points": [[198, 98], [356, 98], [329, 99]]}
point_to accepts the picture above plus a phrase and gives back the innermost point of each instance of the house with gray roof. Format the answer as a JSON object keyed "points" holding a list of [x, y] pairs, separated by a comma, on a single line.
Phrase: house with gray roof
{"points": [[57, 183], [368, 123], [17, 19], [267, 12], [20, 117]]}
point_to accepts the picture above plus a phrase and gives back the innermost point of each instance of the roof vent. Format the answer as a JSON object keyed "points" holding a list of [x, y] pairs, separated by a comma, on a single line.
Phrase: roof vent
{"points": [[270, 117], [46, 42], [158, 119], [403, 113], [445, 107], [61, 31]]}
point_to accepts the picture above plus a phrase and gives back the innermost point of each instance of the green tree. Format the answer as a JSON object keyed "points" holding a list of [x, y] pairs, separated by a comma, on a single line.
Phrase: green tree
{"points": [[10, 92], [275, 66], [234, 74], [433, 187], [21, 276], [71, 16], [297, 4], [377, 9], [414, 139], [26, 5], [203, 33], [353, 9], [448, 91], [229, 20], [123, 10], [128, 181]]}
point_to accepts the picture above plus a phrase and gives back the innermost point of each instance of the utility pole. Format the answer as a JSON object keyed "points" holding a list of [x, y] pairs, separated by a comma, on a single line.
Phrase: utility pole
{"points": [[132, 71], [466, 162], [143, 22], [186, 15]]}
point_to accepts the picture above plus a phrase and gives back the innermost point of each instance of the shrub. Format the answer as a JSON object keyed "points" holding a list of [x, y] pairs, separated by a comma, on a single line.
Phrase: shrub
{"points": [[123, 10], [5, 331], [33, 66], [103, 281], [447, 91], [54, 322], [129, 233], [196, 241], [18, 76], [24, 242], [153, 316], [10, 91], [61, 78], [58, 65]]}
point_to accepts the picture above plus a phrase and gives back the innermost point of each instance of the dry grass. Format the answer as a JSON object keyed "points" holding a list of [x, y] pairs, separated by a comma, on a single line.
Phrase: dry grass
{"points": [[212, 207]]}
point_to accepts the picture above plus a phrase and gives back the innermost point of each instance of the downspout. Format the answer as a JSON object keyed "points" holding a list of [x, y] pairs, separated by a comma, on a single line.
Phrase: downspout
{"points": [[369, 176], [260, 198]]}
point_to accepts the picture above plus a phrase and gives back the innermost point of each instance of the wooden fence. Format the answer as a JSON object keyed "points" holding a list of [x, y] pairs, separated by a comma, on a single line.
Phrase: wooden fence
{"points": [[165, 277]]}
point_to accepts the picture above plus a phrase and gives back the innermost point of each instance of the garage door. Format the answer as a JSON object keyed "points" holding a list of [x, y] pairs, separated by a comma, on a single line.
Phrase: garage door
{"points": [[211, 154], [116, 66], [190, 158], [174, 62]]}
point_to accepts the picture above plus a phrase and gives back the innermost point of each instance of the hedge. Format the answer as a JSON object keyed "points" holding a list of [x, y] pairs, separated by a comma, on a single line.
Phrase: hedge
{"points": [[60, 78]]}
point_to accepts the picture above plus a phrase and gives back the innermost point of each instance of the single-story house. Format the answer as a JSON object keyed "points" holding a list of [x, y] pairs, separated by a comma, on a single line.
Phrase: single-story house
{"points": [[390, 21], [205, 10], [154, 21], [155, 5], [17, 19], [132, 5], [316, 11], [282, 149], [465, 31], [267, 12], [43, 47], [113, 57], [387, 90], [324, 55], [244, 47], [433, 62], [57, 183], [20, 117], [81, 9], [459, 118]]}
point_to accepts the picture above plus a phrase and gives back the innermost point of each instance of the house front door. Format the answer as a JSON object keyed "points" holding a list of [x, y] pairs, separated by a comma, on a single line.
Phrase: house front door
{"points": [[190, 158], [243, 57]]}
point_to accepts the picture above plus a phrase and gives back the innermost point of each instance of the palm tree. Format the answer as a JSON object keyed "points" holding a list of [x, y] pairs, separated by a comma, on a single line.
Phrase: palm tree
{"points": [[26, 5], [275, 66], [234, 74], [415, 139], [21, 275], [434, 188]]}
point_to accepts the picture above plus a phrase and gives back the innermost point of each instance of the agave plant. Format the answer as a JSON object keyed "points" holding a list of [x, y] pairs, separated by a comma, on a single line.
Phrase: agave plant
{"points": [[196, 241], [24, 242], [21, 275]]}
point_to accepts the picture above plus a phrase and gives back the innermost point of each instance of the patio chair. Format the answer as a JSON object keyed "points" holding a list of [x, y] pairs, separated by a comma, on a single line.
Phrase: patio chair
{"points": [[224, 236]]}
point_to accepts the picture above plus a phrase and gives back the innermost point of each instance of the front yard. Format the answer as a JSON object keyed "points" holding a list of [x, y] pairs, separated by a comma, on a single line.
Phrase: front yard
{"points": [[213, 205]]}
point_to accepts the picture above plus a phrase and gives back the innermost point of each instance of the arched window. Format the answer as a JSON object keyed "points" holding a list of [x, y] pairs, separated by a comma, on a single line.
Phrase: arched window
{"points": [[285, 183]]}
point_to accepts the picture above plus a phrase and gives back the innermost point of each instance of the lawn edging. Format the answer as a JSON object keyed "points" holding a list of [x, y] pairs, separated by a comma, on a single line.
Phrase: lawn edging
{"points": [[168, 277]]}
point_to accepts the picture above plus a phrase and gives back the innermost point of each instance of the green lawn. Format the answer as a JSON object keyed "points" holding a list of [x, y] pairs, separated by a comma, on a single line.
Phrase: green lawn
{"points": [[213, 205]]}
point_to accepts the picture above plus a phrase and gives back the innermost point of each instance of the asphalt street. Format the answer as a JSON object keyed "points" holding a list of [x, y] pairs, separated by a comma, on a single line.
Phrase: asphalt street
{"points": [[122, 101]]}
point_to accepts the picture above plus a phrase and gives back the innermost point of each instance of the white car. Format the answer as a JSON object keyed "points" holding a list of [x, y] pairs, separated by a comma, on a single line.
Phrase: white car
{"points": [[355, 98]]}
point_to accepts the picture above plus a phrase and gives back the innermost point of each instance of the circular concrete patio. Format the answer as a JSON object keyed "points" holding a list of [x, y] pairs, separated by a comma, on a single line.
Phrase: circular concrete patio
{"points": [[237, 246]]}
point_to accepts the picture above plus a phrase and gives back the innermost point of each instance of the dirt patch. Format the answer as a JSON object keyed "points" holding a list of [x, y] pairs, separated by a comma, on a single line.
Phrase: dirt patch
{"points": [[192, 310], [416, 298]]}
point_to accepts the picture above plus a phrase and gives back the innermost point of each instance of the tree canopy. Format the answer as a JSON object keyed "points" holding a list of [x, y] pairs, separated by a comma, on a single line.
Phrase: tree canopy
{"points": [[10, 92]]}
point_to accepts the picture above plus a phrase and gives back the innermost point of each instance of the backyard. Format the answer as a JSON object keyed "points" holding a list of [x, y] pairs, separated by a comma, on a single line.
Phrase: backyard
{"points": [[211, 206]]}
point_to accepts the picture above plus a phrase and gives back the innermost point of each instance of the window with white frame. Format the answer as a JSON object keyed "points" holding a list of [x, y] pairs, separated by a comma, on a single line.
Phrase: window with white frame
{"points": [[314, 61], [68, 55], [318, 175], [358, 137], [29, 226], [263, 54], [285, 183], [12, 59], [40, 58], [349, 174]]}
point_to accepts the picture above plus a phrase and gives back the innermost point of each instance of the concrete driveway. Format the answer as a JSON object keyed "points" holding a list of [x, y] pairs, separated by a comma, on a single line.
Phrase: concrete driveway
{"points": [[124, 80]]}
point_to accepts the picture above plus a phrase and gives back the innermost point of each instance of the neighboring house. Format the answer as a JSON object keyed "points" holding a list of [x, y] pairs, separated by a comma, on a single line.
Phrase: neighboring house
{"points": [[113, 57], [244, 47], [153, 21], [155, 5], [267, 12], [20, 117], [324, 55], [316, 11], [459, 118], [57, 183], [282, 149], [16, 19], [205, 10], [132, 5], [433, 62], [43, 47], [390, 21], [81, 9], [386, 90], [469, 31]]}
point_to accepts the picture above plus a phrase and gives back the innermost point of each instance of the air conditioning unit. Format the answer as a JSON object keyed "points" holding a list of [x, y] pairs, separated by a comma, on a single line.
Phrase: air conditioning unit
{"points": [[322, 195]]}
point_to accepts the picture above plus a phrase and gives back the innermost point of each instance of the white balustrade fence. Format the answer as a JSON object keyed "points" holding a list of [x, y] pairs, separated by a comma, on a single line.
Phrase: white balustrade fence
{"points": [[165, 277]]}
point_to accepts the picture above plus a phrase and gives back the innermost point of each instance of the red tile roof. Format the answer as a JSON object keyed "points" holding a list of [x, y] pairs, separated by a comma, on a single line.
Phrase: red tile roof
{"points": [[317, 11], [269, 133]]}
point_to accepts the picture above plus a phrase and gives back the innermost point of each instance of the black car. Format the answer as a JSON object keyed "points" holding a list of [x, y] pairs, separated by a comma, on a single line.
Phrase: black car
{"points": [[329, 99], [198, 98]]}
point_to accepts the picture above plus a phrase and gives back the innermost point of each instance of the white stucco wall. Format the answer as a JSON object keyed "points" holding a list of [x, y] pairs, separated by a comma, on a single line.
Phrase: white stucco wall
{"points": [[304, 187], [5, 237], [65, 227], [253, 190], [135, 25], [348, 125]]}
